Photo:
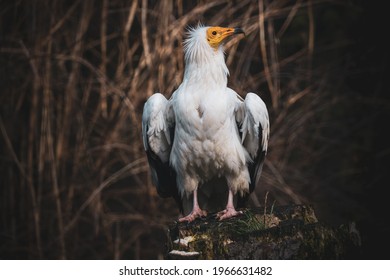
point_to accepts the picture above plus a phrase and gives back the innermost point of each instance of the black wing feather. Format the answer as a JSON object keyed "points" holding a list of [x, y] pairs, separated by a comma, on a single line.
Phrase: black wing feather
{"points": [[164, 176], [255, 167]]}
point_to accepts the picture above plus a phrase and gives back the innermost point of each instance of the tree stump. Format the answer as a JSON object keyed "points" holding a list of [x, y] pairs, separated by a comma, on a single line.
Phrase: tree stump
{"points": [[287, 232]]}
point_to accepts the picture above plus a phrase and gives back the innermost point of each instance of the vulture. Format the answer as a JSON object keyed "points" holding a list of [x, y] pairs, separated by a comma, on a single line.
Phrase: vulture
{"points": [[206, 145]]}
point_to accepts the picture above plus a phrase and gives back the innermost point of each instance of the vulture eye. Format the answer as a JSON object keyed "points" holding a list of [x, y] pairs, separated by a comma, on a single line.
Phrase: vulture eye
{"points": [[214, 32]]}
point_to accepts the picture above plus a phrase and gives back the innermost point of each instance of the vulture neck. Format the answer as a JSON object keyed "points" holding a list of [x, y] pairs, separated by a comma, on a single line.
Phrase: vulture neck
{"points": [[205, 67]]}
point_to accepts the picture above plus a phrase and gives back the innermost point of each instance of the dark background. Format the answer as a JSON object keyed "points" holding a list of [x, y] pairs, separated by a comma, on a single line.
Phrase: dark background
{"points": [[74, 76], [367, 77]]}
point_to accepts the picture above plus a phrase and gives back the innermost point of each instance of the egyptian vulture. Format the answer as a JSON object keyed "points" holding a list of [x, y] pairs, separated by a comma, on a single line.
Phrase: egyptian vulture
{"points": [[206, 145]]}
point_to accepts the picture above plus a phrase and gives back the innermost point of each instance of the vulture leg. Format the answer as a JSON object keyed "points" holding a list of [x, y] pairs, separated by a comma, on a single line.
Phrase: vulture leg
{"points": [[196, 211], [230, 211]]}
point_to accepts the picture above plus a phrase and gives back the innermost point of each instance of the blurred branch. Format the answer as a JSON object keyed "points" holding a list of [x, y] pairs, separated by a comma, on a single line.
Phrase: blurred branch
{"points": [[311, 39], [103, 48], [267, 72], [127, 170]]}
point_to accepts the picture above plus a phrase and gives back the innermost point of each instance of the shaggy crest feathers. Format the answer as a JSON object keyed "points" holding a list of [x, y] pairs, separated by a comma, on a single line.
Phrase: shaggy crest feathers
{"points": [[195, 46]]}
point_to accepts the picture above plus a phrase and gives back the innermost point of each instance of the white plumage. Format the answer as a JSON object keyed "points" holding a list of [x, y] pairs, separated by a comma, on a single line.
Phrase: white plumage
{"points": [[205, 144]]}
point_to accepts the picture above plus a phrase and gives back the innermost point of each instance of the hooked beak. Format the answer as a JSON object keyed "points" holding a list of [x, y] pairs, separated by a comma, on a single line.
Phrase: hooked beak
{"points": [[238, 30]]}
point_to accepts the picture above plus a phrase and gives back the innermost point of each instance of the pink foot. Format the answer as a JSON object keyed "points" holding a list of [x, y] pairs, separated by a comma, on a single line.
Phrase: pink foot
{"points": [[195, 213], [228, 213]]}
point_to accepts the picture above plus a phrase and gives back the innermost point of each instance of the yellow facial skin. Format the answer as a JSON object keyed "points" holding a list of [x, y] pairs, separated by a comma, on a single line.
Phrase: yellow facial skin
{"points": [[216, 35]]}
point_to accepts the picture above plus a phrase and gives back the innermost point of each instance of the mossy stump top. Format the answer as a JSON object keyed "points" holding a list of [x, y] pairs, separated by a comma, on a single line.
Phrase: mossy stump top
{"points": [[287, 232]]}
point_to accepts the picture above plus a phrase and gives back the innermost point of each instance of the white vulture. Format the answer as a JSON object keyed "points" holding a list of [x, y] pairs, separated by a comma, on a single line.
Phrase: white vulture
{"points": [[206, 145]]}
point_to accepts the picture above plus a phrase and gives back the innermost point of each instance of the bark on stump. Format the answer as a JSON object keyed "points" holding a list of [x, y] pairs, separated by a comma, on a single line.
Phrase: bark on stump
{"points": [[288, 232]]}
